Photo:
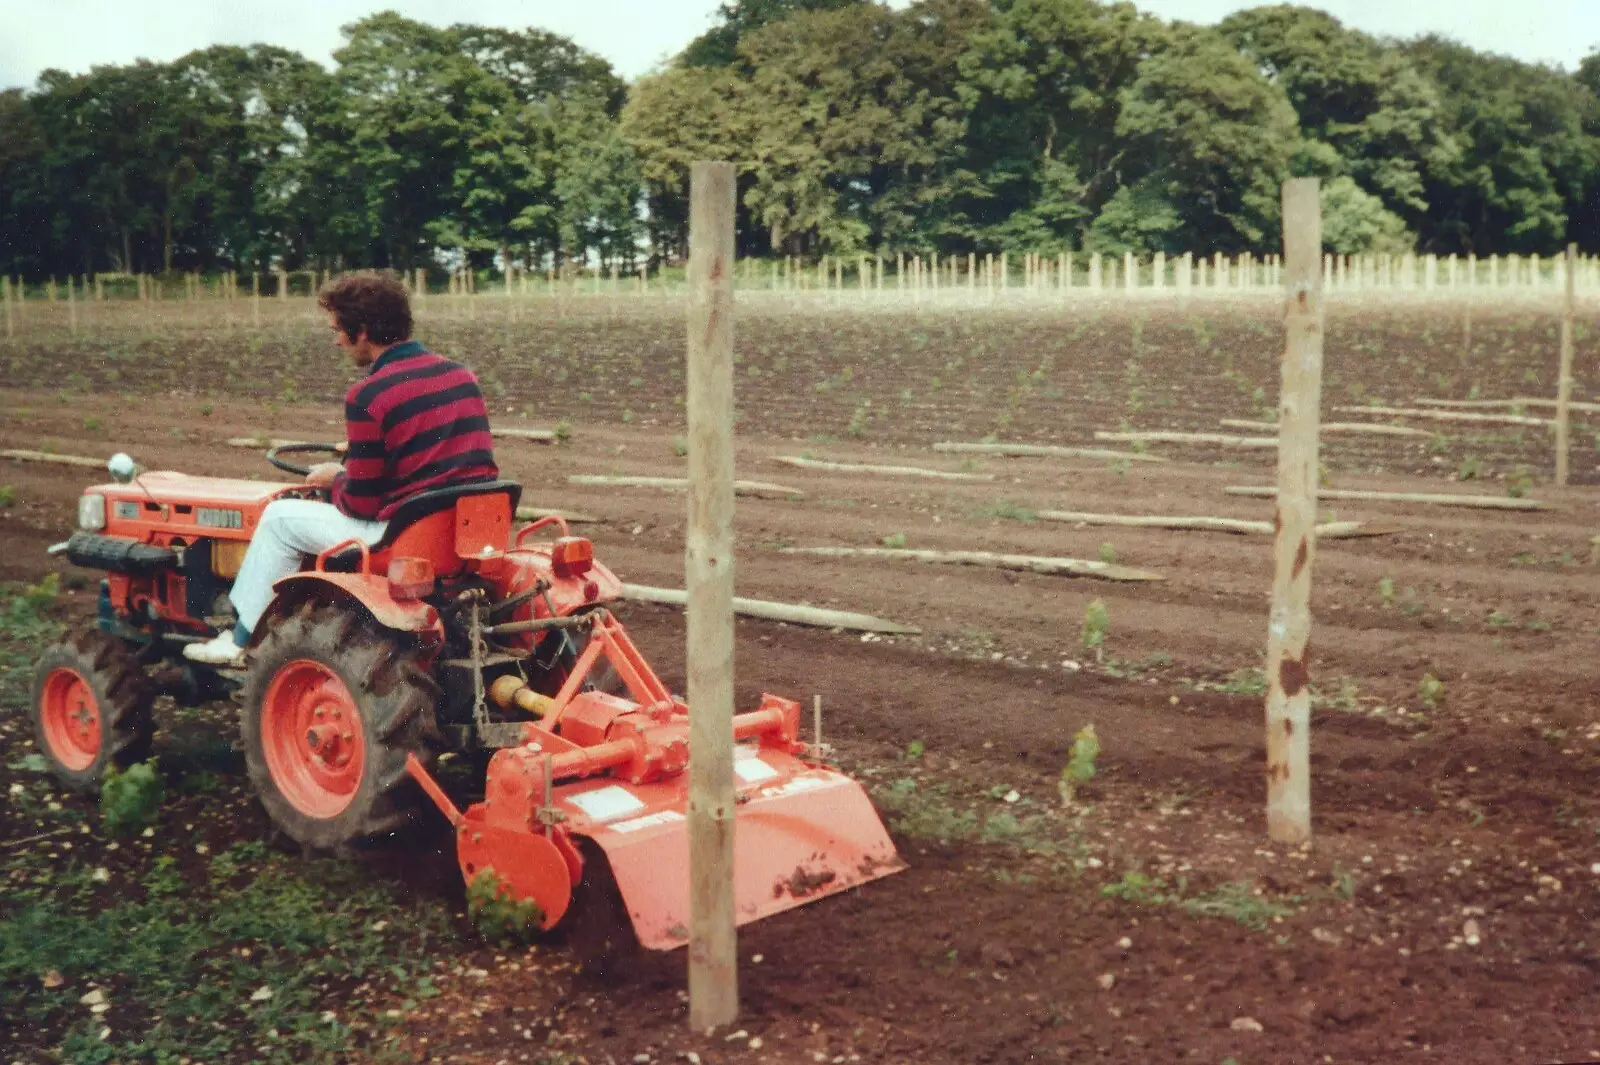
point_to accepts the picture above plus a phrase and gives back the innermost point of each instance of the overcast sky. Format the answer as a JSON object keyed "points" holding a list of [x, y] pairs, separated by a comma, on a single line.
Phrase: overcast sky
{"points": [[635, 35]]}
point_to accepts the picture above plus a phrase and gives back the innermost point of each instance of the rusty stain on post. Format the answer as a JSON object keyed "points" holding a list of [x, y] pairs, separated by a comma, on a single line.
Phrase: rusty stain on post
{"points": [[1294, 677], [1288, 709]]}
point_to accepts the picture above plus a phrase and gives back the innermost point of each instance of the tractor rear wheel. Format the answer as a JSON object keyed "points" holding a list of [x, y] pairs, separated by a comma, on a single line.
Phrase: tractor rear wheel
{"points": [[91, 708], [333, 704]]}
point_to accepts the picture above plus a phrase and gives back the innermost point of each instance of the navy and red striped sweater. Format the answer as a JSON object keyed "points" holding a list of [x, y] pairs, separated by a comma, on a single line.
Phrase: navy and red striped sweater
{"points": [[417, 421]]}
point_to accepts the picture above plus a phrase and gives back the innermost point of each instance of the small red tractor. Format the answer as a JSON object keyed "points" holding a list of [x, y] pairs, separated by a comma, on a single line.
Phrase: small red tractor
{"points": [[454, 632]]}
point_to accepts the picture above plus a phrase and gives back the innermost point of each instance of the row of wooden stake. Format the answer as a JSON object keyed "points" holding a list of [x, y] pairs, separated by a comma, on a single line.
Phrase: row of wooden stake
{"points": [[1028, 273]]}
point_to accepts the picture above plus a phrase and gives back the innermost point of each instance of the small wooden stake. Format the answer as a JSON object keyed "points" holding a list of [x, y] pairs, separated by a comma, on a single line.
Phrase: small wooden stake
{"points": [[1289, 625], [1427, 498], [708, 570], [1046, 451], [1564, 388], [790, 613]]}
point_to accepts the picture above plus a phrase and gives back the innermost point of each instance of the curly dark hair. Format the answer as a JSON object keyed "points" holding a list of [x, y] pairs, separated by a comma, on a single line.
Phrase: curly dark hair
{"points": [[376, 302]]}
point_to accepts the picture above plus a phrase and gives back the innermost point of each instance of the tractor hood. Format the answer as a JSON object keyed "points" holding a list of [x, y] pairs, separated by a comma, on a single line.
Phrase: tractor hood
{"points": [[163, 503], [168, 486]]}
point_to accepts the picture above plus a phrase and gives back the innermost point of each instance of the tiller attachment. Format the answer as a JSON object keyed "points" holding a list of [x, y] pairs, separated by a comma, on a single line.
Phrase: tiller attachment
{"points": [[615, 771]]}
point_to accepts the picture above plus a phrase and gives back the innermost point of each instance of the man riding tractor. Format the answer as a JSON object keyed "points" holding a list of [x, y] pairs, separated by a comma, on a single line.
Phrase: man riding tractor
{"points": [[416, 422], [410, 618]]}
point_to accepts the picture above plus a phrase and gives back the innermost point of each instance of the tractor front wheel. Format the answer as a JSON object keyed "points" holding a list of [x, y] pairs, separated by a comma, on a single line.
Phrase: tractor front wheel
{"points": [[332, 706], [91, 709]]}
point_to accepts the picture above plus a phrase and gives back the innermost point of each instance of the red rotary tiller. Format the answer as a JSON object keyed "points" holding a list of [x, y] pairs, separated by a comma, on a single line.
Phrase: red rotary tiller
{"points": [[452, 633]]}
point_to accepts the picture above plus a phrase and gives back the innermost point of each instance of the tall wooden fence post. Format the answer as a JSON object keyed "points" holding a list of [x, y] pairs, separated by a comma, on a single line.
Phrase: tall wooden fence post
{"points": [[1564, 385], [708, 571], [5, 297], [1289, 625]]}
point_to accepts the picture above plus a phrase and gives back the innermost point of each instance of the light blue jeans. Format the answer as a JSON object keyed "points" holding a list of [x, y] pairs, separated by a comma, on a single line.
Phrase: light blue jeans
{"points": [[290, 529]]}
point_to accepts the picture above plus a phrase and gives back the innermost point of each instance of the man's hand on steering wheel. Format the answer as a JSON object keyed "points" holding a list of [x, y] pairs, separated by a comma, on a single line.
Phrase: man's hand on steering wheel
{"points": [[323, 473]]}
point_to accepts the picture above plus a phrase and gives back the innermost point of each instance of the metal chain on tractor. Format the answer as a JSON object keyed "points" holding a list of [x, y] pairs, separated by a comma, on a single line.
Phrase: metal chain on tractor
{"points": [[477, 652]]}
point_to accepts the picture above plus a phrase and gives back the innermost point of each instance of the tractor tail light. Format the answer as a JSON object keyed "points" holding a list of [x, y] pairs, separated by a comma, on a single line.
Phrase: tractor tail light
{"points": [[410, 578], [572, 556]]}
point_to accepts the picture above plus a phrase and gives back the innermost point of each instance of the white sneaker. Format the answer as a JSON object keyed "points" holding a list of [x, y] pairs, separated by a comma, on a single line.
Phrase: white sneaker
{"points": [[219, 651]]}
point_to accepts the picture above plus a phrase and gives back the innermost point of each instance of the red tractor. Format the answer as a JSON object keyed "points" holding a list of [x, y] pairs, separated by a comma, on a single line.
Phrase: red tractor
{"points": [[455, 632]]}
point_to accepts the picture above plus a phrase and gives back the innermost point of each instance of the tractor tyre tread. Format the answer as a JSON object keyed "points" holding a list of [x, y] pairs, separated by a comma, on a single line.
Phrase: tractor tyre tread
{"points": [[397, 700], [125, 697]]}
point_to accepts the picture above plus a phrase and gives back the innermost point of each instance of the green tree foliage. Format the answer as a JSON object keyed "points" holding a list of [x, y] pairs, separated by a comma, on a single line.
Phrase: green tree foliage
{"points": [[1044, 83], [948, 126], [1206, 135], [422, 140], [719, 46], [1355, 221], [1527, 162]]}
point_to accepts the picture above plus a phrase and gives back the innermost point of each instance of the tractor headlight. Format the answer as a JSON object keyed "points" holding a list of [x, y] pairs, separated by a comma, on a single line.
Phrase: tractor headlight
{"points": [[91, 512]]}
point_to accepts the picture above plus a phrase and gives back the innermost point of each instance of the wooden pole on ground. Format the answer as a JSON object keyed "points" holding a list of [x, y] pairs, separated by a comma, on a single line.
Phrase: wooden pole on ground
{"points": [[1289, 625], [1429, 498], [1564, 388], [793, 613], [708, 570]]}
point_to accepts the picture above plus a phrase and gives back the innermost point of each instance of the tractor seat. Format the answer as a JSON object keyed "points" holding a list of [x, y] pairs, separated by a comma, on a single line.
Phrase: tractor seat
{"points": [[422, 505]]}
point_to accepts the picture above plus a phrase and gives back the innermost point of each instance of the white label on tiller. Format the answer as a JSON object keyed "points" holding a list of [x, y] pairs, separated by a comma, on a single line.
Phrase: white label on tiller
{"points": [[606, 804], [753, 770], [663, 817], [798, 784]]}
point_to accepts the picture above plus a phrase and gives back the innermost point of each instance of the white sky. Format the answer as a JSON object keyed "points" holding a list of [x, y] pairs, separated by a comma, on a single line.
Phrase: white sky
{"points": [[635, 35]]}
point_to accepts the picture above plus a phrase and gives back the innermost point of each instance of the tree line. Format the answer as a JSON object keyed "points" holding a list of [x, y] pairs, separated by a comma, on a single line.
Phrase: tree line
{"points": [[949, 126]]}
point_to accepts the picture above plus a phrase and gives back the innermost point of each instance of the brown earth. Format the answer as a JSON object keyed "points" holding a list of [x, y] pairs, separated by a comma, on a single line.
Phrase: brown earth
{"points": [[1001, 944]]}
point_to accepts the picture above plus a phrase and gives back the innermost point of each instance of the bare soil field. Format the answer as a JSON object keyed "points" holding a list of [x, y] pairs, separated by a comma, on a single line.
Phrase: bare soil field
{"points": [[1448, 909]]}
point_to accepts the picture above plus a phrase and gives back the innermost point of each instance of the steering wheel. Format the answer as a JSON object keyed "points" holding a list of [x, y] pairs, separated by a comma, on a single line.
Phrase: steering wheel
{"points": [[299, 449]]}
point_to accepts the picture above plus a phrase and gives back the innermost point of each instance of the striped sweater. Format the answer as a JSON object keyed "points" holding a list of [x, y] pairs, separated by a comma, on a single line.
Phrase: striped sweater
{"points": [[417, 421]]}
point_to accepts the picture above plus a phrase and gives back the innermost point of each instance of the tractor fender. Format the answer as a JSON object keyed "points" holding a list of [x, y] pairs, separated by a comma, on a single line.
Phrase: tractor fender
{"points": [[371, 593]]}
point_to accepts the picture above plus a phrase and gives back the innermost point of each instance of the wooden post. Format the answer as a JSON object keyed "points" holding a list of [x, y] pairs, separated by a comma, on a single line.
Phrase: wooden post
{"points": [[708, 572], [72, 305], [1130, 273], [1289, 627], [5, 297], [1564, 387]]}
